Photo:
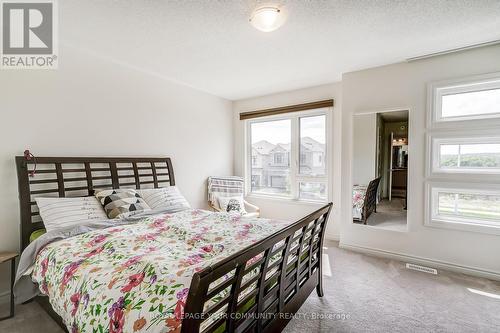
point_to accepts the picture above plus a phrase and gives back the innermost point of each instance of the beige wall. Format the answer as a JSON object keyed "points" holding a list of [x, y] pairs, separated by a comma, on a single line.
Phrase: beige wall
{"points": [[91, 106], [399, 87], [364, 160], [287, 209]]}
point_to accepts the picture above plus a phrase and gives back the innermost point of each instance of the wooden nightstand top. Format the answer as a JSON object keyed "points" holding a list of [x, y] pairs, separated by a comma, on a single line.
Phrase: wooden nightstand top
{"points": [[6, 256]]}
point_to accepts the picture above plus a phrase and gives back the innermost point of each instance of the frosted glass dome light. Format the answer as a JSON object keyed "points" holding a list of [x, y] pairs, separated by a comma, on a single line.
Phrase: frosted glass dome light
{"points": [[267, 19]]}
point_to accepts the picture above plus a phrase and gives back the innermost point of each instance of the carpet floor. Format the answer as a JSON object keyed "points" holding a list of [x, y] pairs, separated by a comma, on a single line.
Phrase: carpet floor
{"points": [[390, 215], [364, 294]]}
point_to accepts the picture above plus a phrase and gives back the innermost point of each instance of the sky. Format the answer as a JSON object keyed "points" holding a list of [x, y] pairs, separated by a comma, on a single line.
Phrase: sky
{"points": [[492, 148], [473, 103], [280, 131]]}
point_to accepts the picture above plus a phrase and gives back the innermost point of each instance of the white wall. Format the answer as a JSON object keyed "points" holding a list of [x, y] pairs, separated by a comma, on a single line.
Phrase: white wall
{"points": [[286, 209], [364, 148], [403, 86], [95, 107]]}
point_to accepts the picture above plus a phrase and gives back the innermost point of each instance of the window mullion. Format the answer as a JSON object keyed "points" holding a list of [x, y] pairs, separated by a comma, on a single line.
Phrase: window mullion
{"points": [[294, 156]]}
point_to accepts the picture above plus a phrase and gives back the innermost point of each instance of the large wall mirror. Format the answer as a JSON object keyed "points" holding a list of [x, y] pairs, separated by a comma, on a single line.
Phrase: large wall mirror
{"points": [[380, 169]]}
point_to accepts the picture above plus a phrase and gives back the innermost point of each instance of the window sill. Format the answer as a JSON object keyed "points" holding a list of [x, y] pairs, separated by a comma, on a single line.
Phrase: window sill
{"points": [[287, 200], [464, 226], [461, 171]]}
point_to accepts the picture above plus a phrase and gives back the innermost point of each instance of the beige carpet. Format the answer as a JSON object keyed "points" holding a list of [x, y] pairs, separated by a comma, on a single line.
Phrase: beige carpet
{"points": [[390, 215], [365, 294]]}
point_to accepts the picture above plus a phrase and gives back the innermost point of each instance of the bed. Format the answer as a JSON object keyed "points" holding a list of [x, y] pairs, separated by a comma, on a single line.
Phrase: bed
{"points": [[364, 200], [195, 278]]}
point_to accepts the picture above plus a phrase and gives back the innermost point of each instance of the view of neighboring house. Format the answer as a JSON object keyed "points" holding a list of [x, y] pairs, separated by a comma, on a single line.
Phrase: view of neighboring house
{"points": [[271, 164]]}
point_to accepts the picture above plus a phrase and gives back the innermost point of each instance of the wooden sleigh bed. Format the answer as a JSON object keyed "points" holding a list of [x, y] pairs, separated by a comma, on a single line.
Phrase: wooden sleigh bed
{"points": [[268, 308]]}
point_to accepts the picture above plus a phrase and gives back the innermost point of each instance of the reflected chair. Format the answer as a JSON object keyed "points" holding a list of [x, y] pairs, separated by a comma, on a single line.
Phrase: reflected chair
{"points": [[370, 199], [230, 186]]}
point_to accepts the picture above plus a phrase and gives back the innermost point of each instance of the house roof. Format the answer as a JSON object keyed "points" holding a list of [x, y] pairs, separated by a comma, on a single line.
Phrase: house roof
{"points": [[285, 146], [265, 147], [312, 145], [280, 147]]}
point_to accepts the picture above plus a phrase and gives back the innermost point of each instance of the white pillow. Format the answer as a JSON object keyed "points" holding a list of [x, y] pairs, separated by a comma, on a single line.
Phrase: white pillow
{"points": [[167, 198], [58, 213], [232, 204]]}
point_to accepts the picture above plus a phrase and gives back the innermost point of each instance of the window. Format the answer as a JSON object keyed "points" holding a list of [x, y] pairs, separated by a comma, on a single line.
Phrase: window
{"points": [[464, 206], [292, 150], [312, 143], [473, 98], [473, 154], [478, 206], [313, 191], [470, 156], [467, 157], [279, 158], [475, 103], [270, 139]]}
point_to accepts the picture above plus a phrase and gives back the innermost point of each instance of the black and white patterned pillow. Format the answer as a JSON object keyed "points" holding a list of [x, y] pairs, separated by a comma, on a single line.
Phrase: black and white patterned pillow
{"points": [[121, 203], [232, 204]]}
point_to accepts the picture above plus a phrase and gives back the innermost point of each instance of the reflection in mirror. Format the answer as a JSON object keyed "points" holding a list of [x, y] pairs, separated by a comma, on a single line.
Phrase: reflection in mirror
{"points": [[380, 169]]}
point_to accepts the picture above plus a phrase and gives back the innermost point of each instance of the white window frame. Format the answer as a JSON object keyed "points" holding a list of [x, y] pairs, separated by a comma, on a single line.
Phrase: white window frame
{"points": [[295, 176], [433, 219], [459, 130], [437, 90], [453, 138]]}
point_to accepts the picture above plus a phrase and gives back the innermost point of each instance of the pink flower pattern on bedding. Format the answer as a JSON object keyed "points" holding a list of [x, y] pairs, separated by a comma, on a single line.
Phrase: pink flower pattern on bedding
{"points": [[136, 278], [358, 200]]}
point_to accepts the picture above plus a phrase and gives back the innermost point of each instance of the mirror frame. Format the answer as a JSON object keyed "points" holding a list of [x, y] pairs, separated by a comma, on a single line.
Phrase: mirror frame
{"points": [[411, 140]]}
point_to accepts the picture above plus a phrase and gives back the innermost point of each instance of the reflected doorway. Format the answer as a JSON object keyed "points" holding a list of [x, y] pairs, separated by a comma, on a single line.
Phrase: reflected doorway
{"points": [[380, 169]]}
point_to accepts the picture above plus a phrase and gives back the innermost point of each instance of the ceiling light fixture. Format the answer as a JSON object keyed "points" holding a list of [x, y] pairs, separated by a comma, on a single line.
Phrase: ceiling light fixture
{"points": [[267, 18]]}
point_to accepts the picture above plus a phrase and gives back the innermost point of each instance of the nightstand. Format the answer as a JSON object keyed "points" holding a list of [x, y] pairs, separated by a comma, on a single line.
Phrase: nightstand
{"points": [[4, 257]]}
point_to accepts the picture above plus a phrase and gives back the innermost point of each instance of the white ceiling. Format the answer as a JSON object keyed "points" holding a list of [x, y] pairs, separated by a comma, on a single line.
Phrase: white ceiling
{"points": [[211, 46]]}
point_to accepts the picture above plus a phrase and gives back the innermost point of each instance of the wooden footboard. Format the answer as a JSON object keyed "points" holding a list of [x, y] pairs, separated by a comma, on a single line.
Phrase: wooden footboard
{"points": [[260, 288]]}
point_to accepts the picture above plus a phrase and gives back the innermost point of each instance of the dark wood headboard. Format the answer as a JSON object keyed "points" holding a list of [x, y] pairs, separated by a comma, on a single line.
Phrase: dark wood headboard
{"points": [[80, 177]]}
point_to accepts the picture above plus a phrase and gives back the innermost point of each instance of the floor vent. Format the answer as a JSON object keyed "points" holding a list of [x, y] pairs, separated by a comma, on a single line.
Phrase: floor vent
{"points": [[422, 269]]}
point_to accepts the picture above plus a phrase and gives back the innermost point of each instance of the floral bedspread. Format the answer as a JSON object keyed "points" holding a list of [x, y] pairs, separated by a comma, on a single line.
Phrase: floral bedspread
{"points": [[136, 277], [358, 200]]}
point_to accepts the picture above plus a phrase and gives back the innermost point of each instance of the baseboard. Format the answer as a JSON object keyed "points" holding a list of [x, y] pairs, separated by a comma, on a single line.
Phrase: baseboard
{"points": [[423, 261]]}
